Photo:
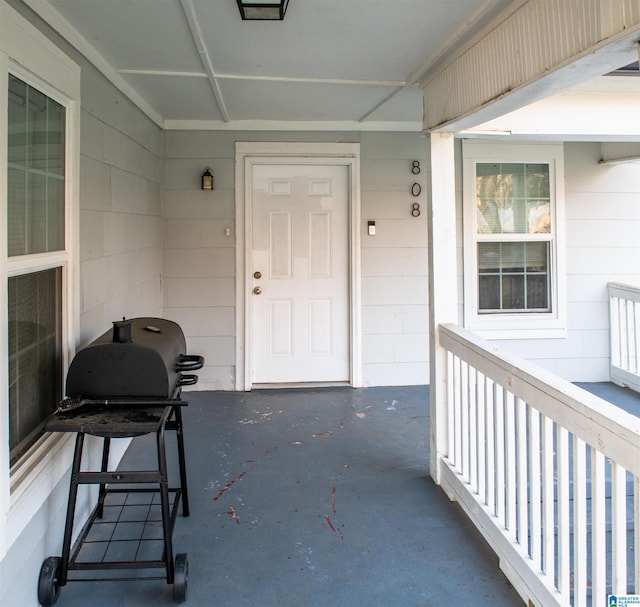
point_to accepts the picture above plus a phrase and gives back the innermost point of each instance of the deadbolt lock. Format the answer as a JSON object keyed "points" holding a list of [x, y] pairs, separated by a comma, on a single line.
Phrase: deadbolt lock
{"points": [[257, 275]]}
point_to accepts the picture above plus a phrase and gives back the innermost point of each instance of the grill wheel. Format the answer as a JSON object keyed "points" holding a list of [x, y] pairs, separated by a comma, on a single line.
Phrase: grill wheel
{"points": [[180, 578], [48, 589]]}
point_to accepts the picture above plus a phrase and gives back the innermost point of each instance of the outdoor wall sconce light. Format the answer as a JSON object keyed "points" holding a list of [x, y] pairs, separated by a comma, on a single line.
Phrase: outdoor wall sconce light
{"points": [[207, 179], [262, 10]]}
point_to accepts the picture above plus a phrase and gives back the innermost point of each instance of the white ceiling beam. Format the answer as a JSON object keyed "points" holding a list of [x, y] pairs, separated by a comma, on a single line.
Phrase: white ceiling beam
{"points": [[293, 79], [292, 125], [198, 38], [304, 80], [173, 74]]}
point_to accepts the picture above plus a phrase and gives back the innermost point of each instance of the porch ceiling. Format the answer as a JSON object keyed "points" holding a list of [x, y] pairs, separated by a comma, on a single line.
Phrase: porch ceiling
{"points": [[330, 64], [330, 61]]}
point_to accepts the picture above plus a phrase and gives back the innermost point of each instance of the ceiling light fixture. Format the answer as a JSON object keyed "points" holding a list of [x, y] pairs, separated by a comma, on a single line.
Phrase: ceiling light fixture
{"points": [[262, 10]]}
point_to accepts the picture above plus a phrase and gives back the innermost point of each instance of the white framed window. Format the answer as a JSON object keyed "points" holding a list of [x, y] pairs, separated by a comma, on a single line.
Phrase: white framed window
{"points": [[37, 260], [39, 160], [514, 278]]}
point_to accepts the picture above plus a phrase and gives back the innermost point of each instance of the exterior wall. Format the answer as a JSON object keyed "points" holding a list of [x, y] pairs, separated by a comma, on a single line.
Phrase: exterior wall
{"points": [[602, 211], [120, 274], [120, 209], [395, 318], [199, 264]]}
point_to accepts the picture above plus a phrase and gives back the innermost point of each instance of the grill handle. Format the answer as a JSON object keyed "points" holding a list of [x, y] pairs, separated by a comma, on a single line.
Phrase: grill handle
{"points": [[189, 362], [188, 380]]}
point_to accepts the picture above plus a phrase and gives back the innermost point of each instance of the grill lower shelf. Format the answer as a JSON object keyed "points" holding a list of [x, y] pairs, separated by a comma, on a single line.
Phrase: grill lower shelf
{"points": [[125, 531]]}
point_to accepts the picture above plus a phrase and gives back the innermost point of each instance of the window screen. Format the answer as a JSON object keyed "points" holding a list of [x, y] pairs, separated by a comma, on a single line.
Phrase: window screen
{"points": [[35, 362]]}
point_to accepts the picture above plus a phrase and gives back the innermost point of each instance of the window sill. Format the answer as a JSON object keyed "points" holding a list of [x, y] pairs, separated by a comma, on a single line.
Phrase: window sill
{"points": [[35, 462], [519, 332]]}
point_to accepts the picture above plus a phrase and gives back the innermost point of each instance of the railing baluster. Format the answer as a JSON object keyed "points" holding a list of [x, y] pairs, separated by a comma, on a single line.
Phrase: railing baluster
{"points": [[511, 463], [598, 530], [618, 529], [490, 397], [614, 324], [464, 419], [548, 498], [564, 554], [522, 469], [579, 523], [451, 417], [482, 443], [534, 483], [473, 429], [500, 456], [457, 459], [625, 330]]}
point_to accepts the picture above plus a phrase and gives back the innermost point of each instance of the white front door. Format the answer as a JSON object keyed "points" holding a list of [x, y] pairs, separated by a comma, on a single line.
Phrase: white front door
{"points": [[299, 277]]}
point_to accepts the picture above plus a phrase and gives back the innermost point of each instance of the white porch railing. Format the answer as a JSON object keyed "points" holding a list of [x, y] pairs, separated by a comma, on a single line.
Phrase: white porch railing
{"points": [[624, 319], [548, 472]]}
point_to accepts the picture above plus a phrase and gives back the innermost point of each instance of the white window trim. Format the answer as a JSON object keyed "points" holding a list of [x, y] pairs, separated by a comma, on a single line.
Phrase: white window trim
{"points": [[514, 325], [30, 56]]}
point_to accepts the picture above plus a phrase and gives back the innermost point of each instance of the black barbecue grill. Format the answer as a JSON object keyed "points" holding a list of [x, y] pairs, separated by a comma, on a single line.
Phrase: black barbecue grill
{"points": [[126, 383]]}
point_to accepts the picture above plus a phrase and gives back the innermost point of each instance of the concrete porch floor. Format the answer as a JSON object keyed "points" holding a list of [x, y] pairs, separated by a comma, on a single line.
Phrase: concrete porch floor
{"points": [[314, 498]]}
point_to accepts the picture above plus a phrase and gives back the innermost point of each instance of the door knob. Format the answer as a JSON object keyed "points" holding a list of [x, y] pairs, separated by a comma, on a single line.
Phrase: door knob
{"points": [[257, 290]]}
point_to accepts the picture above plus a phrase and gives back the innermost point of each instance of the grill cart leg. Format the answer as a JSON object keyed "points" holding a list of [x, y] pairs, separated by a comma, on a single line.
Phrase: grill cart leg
{"points": [[104, 467], [181, 460], [53, 573], [71, 508], [164, 503]]}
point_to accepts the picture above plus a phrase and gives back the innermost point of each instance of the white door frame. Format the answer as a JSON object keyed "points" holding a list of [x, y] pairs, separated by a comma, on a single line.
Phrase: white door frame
{"points": [[250, 153]]}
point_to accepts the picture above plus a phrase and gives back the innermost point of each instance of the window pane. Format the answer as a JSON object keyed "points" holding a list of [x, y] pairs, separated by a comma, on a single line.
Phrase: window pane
{"points": [[35, 364], [55, 138], [513, 198], [36, 129], [489, 293], [513, 296], [513, 276], [16, 211], [537, 291], [36, 142], [17, 114]]}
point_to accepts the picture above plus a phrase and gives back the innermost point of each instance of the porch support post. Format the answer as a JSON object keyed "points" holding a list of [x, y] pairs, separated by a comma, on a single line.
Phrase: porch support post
{"points": [[443, 276]]}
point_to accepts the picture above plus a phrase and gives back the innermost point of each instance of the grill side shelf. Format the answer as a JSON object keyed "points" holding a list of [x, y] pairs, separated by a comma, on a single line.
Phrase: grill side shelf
{"points": [[108, 420]]}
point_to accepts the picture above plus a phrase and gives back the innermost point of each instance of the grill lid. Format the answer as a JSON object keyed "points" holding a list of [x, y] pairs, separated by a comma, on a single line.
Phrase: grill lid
{"points": [[144, 361]]}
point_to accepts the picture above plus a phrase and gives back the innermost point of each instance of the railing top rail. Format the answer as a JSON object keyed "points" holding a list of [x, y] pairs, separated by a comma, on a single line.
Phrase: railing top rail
{"points": [[618, 289], [611, 430]]}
